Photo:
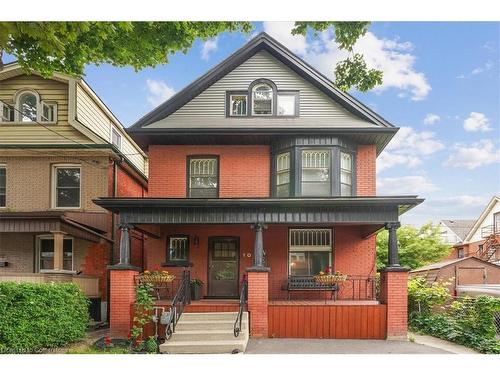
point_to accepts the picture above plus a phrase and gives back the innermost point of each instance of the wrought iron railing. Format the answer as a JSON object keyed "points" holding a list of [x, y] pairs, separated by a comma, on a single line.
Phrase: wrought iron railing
{"points": [[359, 288], [180, 300], [243, 302]]}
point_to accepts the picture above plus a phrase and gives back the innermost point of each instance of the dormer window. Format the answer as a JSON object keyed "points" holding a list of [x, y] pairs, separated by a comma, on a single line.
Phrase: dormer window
{"points": [[262, 100], [28, 108], [7, 113], [49, 111]]}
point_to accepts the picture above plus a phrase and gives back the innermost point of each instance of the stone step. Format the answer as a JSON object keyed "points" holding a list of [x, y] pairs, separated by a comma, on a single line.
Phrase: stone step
{"points": [[209, 316], [208, 335], [204, 347]]}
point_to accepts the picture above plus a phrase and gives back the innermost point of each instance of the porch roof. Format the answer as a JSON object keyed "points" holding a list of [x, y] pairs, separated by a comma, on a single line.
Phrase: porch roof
{"points": [[346, 210]]}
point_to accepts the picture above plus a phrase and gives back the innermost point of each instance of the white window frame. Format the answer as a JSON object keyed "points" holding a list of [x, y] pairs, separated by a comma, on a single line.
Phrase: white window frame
{"points": [[292, 95], [231, 105], [350, 171], [3, 166], [287, 155], [54, 185], [42, 105], [18, 117], [311, 248], [114, 130], [4, 105], [318, 151], [272, 100], [38, 255]]}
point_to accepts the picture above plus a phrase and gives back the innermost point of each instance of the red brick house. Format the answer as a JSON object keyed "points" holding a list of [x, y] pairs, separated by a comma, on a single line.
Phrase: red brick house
{"points": [[262, 170]]}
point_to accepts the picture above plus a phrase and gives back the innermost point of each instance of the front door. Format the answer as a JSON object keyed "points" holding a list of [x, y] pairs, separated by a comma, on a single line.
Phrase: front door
{"points": [[223, 266]]}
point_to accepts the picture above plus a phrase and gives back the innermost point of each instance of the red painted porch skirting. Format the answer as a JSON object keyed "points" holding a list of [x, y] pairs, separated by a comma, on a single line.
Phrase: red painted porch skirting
{"points": [[328, 321]]}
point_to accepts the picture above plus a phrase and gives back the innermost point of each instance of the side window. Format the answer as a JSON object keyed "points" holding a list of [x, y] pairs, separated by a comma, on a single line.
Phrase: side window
{"points": [[67, 181], [203, 177], [238, 105], [7, 113], [3, 186], [287, 105], [49, 112], [178, 249], [116, 138], [283, 174], [345, 174]]}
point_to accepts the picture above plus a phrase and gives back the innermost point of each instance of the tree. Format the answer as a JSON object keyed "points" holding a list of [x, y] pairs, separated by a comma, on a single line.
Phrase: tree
{"points": [[66, 47], [417, 247]]}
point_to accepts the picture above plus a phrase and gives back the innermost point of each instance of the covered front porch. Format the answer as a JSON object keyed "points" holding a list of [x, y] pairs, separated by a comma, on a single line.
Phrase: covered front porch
{"points": [[268, 242]]}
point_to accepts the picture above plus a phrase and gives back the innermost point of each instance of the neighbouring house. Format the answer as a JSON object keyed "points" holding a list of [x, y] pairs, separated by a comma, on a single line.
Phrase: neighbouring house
{"points": [[483, 238], [61, 147], [453, 232], [262, 170], [466, 275]]}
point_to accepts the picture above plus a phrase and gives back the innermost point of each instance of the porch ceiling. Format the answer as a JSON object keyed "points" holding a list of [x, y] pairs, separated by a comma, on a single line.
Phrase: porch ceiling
{"points": [[345, 210]]}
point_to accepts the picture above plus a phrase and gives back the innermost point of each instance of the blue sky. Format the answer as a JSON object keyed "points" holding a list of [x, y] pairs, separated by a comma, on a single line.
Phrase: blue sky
{"points": [[441, 86]]}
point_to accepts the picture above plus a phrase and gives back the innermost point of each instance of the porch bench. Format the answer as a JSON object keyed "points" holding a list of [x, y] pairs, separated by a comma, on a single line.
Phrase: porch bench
{"points": [[303, 283]]}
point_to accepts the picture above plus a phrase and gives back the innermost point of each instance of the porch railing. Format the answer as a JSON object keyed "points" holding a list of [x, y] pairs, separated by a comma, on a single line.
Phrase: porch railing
{"points": [[359, 288], [180, 300], [243, 302]]}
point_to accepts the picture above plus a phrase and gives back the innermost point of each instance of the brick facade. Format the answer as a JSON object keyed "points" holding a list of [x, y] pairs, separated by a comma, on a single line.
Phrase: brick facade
{"points": [[394, 294], [366, 170], [244, 171], [122, 295], [258, 300]]}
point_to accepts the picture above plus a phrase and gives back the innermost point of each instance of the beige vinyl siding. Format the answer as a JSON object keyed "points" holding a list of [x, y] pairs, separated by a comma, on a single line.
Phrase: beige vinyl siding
{"points": [[208, 108], [50, 91], [94, 118]]}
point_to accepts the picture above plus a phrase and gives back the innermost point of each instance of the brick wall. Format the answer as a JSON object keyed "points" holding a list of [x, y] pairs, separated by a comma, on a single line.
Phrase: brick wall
{"points": [[258, 299], [122, 295], [244, 170], [18, 250], [95, 262], [366, 170], [394, 293]]}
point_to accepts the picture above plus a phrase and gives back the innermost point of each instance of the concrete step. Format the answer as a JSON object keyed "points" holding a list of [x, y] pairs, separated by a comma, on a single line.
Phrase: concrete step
{"points": [[207, 335], [204, 347], [207, 325], [209, 316]]}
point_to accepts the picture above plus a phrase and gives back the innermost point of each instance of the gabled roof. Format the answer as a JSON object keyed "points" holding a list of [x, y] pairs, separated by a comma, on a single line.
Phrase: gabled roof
{"points": [[481, 218], [459, 227], [435, 266], [261, 42]]}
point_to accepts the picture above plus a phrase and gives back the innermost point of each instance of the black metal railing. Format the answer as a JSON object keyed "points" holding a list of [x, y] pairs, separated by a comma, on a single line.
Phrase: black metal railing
{"points": [[243, 302], [359, 288], [180, 300]]}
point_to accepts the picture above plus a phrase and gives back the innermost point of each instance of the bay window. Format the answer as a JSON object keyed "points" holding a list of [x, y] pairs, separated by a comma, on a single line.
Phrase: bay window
{"points": [[283, 174], [316, 173], [345, 174], [310, 251], [203, 177]]}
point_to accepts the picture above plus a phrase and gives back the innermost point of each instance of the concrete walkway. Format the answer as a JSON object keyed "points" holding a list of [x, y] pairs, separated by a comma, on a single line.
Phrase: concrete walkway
{"points": [[326, 346]]}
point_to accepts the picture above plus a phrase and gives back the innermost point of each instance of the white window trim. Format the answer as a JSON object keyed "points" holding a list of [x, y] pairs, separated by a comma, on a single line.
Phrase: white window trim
{"points": [[113, 129], [231, 105], [294, 96], [3, 166], [272, 100], [38, 248], [48, 103], [55, 167], [2, 105]]}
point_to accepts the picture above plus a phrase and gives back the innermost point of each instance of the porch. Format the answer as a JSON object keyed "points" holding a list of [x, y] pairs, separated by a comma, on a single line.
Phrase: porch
{"points": [[221, 240]]}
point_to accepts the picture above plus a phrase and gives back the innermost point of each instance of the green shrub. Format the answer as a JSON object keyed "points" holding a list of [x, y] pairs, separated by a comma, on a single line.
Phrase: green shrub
{"points": [[34, 317], [424, 296]]}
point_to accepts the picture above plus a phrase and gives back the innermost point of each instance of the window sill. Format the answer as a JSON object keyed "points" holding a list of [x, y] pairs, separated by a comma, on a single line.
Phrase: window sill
{"points": [[177, 264]]}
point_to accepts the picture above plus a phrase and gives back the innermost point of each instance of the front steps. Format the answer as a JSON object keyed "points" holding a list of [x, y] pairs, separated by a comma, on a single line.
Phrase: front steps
{"points": [[207, 333]]}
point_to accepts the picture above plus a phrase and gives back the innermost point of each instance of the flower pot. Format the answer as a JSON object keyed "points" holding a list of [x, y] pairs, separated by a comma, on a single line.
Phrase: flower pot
{"points": [[196, 290]]}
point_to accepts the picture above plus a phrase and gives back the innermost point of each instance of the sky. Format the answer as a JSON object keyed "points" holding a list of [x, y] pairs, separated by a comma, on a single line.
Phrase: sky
{"points": [[441, 87]]}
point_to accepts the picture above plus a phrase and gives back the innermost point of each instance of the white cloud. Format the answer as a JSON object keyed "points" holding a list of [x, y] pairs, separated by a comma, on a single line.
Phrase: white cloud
{"points": [[208, 47], [407, 149], [431, 119], [159, 91], [480, 69], [475, 155], [461, 200], [391, 56], [404, 185], [477, 121]]}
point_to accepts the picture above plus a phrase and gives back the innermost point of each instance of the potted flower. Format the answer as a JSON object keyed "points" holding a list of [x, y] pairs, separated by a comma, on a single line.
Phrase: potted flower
{"points": [[156, 277], [328, 277], [196, 289]]}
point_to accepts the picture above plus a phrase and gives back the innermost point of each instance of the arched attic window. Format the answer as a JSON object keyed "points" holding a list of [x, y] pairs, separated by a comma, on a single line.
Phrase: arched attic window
{"points": [[28, 106], [262, 100]]}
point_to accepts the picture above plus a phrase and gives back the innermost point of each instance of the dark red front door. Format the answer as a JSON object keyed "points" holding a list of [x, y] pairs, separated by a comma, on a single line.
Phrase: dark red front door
{"points": [[223, 266]]}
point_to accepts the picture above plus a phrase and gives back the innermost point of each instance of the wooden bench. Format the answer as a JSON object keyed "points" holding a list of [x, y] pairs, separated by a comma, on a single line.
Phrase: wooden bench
{"points": [[302, 283]]}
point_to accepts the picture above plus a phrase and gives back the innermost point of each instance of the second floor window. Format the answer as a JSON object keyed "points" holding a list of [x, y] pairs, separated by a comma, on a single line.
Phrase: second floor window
{"points": [[3, 186], [345, 174], [203, 177], [316, 173], [283, 175], [238, 105], [116, 138], [7, 113], [28, 107], [67, 187]]}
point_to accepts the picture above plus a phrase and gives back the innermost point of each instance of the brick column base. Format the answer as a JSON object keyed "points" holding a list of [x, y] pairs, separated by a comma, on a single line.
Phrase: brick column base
{"points": [[122, 295], [258, 300], [394, 294]]}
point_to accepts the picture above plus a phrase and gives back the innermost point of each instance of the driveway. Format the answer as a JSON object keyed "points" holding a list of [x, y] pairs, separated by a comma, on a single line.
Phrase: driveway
{"points": [[325, 346]]}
